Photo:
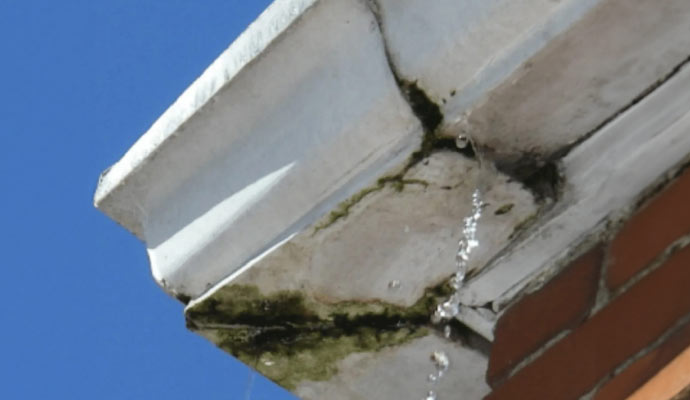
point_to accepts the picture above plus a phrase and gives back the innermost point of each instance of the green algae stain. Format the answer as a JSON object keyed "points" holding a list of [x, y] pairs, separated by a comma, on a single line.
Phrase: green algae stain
{"points": [[504, 209], [290, 339], [398, 182], [430, 143], [523, 225]]}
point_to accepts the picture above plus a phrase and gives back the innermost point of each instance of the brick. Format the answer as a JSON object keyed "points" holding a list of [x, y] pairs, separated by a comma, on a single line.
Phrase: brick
{"points": [[561, 304], [660, 222], [669, 383], [629, 323], [683, 395], [636, 374]]}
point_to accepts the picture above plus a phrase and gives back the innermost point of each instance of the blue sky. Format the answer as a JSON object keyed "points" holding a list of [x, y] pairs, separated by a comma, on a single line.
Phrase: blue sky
{"points": [[82, 318]]}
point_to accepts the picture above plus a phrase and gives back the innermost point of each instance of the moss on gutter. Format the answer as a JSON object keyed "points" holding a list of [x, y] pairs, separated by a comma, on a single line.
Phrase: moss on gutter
{"points": [[290, 338], [429, 113], [504, 209], [523, 225], [343, 209]]}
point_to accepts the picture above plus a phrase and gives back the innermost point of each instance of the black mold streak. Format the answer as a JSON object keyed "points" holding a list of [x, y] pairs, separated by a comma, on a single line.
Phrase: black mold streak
{"points": [[183, 298], [504, 209], [292, 329]]}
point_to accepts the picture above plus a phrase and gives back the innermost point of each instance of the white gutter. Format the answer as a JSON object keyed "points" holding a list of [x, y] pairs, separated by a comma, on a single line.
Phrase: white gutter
{"points": [[304, 110]]}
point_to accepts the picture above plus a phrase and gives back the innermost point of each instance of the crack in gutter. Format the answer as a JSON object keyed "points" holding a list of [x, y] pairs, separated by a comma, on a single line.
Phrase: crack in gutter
{"points": [[544, 182], [541, 177], [427, 111], [305, 338], [430, 117]]}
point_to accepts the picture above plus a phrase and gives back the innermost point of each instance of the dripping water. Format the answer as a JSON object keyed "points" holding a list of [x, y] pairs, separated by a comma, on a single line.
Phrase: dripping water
{"points": [[250, 385], [450, 308], [467, 243]]}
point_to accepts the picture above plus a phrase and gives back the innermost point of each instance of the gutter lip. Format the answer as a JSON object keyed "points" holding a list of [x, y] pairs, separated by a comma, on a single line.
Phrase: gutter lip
{"points": [[259, 36]]}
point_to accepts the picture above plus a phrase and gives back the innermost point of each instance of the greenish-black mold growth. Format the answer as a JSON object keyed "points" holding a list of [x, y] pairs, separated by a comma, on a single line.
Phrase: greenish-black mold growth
{"points": [[291, 339], [523, 225], [398, 182], [504, 209], [429, 113]]}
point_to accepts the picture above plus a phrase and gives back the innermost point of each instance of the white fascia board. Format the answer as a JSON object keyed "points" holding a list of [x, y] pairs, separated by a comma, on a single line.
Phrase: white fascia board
{"points": [[605, 175]]}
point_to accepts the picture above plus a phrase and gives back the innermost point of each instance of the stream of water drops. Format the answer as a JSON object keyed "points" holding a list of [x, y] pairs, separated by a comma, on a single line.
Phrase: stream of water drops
{"points": [[250, 385], [450, 308]]}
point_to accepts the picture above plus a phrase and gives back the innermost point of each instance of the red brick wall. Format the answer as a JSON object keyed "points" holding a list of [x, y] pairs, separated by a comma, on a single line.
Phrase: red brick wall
{"points": [[552, 344]]}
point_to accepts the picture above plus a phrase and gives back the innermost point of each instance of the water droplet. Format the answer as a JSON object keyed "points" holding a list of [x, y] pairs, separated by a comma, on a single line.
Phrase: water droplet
{"points": [[440, 360], [448, 309], [466, 244], [451, 307], [431, 395], [457, 280], [394, 284], [461, 141]]}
